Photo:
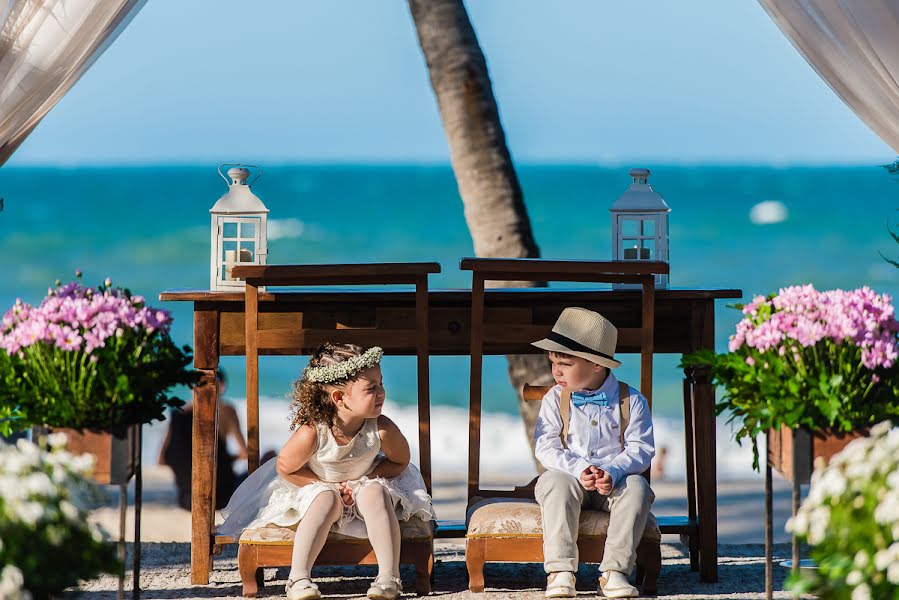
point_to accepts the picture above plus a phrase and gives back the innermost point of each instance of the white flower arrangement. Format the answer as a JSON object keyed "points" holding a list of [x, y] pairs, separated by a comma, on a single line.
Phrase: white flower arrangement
{"points": [[12, 584], [345, 369], [851, 519], [45, 496]]}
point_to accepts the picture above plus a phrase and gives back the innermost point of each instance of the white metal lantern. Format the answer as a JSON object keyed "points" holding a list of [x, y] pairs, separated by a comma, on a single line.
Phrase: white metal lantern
{"points": [[238, 229], [640, 225]]}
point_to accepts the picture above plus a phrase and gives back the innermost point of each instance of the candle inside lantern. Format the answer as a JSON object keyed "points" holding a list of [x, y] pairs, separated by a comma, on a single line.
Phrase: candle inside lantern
{"points": [[632, 253], [230, 259]]}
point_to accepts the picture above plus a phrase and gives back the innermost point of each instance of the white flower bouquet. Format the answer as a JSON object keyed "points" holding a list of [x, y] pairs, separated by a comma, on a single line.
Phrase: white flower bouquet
{"points": [[851, 520], [46, 542]]}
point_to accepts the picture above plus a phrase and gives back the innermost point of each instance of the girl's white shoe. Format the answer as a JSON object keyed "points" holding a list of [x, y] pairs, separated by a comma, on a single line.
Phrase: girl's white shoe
{"points": [[561, 585], [613, 584], [385, 587], [302, 589]]}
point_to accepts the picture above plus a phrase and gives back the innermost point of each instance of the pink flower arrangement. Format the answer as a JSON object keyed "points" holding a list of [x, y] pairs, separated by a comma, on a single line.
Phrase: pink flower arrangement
{"points": [[96, 358], [801, 316], [73, 317], [804, 358]]}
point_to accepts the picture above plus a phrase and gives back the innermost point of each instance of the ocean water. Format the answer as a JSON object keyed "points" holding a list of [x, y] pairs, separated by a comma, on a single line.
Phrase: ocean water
{"points": [[751, 228]]}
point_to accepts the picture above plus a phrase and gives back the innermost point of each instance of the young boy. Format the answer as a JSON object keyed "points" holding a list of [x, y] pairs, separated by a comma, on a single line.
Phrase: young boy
{"points": [[589, 463]]}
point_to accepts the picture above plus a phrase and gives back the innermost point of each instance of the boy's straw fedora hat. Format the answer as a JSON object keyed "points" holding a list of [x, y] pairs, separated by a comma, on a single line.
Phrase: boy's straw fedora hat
{"points": [[584, 333]]}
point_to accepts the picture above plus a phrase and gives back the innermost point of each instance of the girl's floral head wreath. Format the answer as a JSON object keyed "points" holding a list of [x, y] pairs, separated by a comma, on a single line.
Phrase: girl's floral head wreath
{"points": [[344, 369]]}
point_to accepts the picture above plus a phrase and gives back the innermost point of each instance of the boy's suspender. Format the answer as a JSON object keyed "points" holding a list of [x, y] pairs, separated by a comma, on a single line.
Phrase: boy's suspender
{"points": [[624, 407], [564, 412], [624, 411]]}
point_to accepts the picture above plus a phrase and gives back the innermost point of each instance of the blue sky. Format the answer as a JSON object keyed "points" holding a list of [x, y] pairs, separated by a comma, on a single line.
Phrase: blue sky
{"points": [[281, 81]]}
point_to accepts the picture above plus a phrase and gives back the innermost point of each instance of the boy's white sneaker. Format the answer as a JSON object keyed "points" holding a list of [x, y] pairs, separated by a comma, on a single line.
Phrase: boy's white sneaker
{"points": [[613, 584], [561, 586]]}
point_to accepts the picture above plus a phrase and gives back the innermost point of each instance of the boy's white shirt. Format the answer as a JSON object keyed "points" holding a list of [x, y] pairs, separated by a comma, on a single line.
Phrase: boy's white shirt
{"points": [[600, 444]]}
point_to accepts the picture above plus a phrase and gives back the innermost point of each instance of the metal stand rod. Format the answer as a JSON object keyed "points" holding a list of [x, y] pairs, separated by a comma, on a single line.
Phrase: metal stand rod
{"points": [[138, 501], [797, 493], [769, 531], [123, 507]]}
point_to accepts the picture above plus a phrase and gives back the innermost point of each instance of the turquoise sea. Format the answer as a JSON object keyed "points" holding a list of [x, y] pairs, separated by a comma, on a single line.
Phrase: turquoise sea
{"points": [[148, 229]]}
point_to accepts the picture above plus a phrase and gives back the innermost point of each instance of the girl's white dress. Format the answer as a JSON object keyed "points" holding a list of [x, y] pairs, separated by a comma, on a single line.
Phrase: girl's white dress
{"points": [[267, 499]]}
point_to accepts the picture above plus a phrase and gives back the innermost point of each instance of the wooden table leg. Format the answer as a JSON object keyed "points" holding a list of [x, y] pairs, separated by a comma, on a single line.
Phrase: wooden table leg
{"points": [[204, 434], [706, 476], [690, 458], [205, 426], [476, 375], [424, 386]]}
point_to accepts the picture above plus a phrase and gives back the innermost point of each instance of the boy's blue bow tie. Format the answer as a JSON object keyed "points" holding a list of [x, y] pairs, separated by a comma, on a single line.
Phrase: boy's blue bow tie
{"points": [[582, 398]]}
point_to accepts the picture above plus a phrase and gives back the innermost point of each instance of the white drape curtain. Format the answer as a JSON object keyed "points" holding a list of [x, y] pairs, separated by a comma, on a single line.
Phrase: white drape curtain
{"points": [[854, 47], [45, 47]]}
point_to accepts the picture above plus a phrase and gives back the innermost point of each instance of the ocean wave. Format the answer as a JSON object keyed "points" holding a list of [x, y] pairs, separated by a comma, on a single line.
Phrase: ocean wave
{"points": [[768, 212], [505, 450], [279, 229]]}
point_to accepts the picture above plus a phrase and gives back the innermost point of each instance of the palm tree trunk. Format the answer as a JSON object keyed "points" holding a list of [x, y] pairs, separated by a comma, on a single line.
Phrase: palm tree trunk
{"points": [[491, 194]]}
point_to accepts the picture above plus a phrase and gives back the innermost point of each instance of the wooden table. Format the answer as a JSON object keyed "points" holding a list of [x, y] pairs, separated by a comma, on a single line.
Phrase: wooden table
{"points": [[684, 322]]}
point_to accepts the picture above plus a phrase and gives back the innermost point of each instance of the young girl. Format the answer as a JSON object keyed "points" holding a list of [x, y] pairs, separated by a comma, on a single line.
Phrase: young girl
{"points": [[345, 469]]}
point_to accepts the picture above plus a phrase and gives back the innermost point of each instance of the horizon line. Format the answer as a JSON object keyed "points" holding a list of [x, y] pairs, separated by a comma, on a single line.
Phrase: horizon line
{"points": [[606, 164]]}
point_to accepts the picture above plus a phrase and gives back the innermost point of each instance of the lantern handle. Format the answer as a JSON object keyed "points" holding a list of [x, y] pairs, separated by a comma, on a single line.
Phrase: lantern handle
{"points": [[228, 181]]}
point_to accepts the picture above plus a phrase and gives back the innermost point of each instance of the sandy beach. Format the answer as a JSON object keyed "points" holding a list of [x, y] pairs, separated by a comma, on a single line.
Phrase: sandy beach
{"points": [[166, 574], [165, 532]]}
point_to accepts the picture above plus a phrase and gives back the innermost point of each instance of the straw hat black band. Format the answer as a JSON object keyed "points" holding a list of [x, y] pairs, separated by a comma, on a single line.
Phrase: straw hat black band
{"points": [[573, 345]]}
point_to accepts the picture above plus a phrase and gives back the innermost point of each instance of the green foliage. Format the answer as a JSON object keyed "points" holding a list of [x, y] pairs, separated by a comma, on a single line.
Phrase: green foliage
{"points": [[123, 383], [893, 169]]}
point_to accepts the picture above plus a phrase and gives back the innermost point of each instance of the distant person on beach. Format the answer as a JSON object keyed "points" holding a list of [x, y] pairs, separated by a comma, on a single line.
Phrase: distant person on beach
{"points": [[176, 449], [594, 436], [658, 464], [345, 469]]}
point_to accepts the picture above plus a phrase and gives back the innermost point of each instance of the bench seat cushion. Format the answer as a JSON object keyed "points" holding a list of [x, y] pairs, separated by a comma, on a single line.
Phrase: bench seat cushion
{"points": [[520, 518], [414, 529]]}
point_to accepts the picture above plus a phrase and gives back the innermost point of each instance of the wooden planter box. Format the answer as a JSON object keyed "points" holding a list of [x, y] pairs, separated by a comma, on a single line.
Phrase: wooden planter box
{"points": [[115, 452], [792, 452]]}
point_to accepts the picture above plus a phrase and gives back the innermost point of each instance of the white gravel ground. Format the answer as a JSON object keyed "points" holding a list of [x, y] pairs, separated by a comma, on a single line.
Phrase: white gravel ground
{"points": [[165, 573]]}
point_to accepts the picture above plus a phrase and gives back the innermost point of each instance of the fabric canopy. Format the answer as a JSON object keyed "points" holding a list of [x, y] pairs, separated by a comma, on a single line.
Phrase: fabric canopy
{"points": [[854, 47], [45, 46]]}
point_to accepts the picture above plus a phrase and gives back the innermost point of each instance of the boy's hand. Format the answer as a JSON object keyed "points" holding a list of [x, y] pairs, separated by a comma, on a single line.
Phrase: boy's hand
{"points": [[604, 484], [589, 477]]}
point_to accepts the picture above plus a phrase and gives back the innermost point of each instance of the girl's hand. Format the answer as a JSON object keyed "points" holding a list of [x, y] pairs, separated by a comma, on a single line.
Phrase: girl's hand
{"points": [[346, 494]]}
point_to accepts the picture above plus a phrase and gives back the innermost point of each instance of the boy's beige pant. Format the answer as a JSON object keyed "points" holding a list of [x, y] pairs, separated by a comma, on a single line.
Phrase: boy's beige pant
{"points": [[561, 498]]}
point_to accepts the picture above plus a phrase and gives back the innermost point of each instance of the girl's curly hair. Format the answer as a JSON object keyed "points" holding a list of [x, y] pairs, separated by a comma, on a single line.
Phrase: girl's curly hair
{"points": [[311, 401]]}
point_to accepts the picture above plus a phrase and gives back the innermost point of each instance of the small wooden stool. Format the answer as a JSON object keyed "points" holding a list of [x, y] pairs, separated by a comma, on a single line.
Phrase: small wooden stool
{"points": [[273, 547], [511, 530]]}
